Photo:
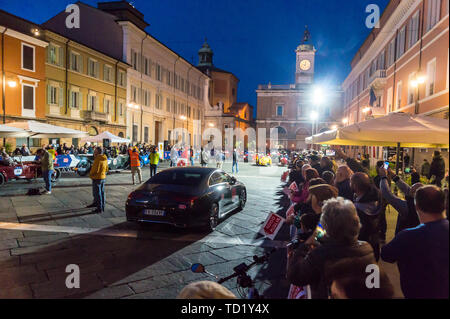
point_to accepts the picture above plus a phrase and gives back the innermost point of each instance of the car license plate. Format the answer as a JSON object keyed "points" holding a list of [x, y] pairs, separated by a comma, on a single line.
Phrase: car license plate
{"points": [[154, 212]]}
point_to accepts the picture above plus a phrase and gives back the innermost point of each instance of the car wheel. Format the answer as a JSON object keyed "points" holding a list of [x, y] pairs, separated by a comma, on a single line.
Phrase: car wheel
{"points": [[242, 199], [2, 179], [213, 217]]}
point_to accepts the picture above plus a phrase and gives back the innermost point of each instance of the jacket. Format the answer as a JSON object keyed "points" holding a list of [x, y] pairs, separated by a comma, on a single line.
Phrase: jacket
{"points": [[134, 159], [425, 170], [345, 190], [309, 268], [47, 162], [154, 158], [407, 215], [368, 207], [99, 168], [437, 167]]}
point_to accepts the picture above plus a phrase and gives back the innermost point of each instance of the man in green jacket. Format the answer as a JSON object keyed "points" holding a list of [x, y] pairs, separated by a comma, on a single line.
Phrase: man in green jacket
{"points": [[154, 160], [46, 160]]}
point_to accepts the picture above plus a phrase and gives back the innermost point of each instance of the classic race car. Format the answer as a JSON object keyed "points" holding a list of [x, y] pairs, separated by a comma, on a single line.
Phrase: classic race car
{"points": [[24, 170], [263, 160]]}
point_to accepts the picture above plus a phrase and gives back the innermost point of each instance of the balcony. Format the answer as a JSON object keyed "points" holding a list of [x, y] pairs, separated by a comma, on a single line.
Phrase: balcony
{"points": [[378, 79], [95, 116]]}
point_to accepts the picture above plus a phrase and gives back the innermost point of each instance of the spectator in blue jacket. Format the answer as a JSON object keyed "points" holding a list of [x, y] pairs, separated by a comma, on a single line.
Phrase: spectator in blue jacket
{"points": [[421, 253]]}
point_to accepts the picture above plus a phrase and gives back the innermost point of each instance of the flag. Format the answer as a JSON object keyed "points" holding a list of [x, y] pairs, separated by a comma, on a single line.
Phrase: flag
{"points": [[373, 97]]}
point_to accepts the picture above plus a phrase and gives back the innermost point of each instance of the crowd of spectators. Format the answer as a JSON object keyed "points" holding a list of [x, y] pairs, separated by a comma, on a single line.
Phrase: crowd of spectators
{"points": [[337, 195]]}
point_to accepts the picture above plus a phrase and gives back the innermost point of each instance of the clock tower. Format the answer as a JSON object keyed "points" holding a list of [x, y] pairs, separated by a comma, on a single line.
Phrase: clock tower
{"points": [[304, 70]]}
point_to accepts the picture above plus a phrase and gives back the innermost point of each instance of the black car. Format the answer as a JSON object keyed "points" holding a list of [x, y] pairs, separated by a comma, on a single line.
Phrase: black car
{"points": [[186, 197]]}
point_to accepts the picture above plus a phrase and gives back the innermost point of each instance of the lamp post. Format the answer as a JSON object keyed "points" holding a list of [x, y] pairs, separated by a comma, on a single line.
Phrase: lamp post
{"points": [[314, 116]]}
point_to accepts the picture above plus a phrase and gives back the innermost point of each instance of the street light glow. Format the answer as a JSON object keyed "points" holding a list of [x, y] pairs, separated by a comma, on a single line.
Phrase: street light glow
{"points": [[12, 83], [183, 117], [345, 121], [211, 124], [318, 96], [421, 79], [366, 110]]}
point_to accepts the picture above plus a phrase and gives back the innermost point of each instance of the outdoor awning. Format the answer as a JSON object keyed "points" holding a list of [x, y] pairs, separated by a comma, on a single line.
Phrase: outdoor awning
{"points": [[9, 131], [43, 130], [106, 135], [406, 129]]}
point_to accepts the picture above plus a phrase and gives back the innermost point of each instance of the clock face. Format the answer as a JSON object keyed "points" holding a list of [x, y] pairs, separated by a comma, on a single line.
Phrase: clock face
{"points": [[305, 65]]}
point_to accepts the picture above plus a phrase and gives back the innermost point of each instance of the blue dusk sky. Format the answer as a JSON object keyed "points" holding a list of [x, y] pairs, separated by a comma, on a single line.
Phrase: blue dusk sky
{"points": [[254, 39]]}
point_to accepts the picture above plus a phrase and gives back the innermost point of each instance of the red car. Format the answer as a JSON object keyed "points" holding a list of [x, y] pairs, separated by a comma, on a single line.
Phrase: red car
{"points": [[24, 170]]}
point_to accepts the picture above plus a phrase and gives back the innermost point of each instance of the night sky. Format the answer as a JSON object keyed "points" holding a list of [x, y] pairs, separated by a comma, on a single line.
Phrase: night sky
{"points": [[254, 39]]}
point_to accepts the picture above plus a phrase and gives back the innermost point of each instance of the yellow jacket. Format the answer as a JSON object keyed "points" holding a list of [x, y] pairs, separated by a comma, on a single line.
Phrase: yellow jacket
{"points": [[99, 168], [154, 158]]}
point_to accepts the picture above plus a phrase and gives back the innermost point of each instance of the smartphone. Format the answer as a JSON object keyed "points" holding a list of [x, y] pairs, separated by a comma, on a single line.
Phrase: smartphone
{"points": [[386, 165], [320, 232]]}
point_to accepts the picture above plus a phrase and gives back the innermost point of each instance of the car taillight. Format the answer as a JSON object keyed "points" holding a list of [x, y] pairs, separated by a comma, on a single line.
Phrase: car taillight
{"points": [[136, 195], [185, 202]]}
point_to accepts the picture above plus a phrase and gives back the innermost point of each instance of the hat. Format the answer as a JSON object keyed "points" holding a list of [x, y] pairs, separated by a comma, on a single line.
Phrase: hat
{"points": [[314, 157], [205, 290]]}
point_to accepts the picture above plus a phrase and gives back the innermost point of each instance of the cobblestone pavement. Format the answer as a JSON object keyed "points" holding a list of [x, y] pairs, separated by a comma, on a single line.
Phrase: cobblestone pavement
{"points": [[41, 235]]}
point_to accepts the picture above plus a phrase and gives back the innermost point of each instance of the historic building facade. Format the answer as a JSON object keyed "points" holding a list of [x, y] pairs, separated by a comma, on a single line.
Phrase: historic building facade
{"points": [[166, 95], [22, 64], [300, 109], [403, 65], [86, 90], [223, 111]]}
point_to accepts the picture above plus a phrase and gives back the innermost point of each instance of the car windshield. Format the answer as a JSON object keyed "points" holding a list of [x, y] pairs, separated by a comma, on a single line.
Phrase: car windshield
{"points": [[177, 177]]}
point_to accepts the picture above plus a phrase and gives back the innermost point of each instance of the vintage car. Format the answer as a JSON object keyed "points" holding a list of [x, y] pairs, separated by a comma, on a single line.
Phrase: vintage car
{"points": [[263, 160], [24, 170]]}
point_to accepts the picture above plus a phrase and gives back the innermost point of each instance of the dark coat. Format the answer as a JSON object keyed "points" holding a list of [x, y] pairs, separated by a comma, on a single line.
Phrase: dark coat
{"points": [[345, 190], [437, 167], [369, 207], [309, 268]]}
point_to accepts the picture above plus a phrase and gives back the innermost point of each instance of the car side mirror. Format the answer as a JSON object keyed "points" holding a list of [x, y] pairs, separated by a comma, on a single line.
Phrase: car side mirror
{"points": [[233, 180], [198, 268]]}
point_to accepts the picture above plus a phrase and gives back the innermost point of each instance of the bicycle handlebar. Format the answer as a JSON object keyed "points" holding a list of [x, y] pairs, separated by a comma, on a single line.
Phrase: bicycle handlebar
{"points": [[257, 260]]}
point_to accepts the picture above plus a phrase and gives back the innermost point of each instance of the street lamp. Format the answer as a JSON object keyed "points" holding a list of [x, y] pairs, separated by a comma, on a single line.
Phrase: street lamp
{"points": [[345, 121], [12, 83], [318, 96]]}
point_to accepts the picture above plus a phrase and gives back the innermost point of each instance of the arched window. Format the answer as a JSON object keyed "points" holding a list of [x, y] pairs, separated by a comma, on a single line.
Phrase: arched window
{"points": [[281, 130], [121, 134]]}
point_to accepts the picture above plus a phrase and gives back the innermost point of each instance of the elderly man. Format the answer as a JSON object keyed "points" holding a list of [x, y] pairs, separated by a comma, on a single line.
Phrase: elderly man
{"points": [[341, 224], [421, 253]]}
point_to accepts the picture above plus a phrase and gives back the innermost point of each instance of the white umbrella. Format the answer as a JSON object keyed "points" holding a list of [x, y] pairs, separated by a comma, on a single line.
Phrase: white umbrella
{"points": [[9, 131], [106, 136], [394, 129], [43, 130]]}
